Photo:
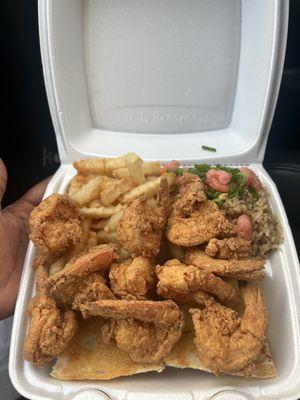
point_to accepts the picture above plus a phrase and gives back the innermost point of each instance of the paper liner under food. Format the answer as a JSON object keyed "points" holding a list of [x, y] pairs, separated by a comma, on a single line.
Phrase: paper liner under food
{"points": [[184, 355], [87, 357]]}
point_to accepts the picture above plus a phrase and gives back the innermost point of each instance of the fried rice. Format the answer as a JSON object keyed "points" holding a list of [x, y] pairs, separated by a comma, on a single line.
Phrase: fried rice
{"points": [[267, 231]]}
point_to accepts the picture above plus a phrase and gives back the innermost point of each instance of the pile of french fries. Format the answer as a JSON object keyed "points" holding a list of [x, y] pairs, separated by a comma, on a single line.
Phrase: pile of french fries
{"points": [[101, 188]]}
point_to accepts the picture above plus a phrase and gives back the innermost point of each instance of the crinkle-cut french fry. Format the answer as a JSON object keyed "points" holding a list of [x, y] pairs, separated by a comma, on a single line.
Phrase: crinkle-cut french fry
{"points": [[131, 157], [100, 212], [151, 168], [148, 189], [92, 165], [99, 223], [89, 191], [102, 166], [113, 163], [136, 172], [59, 264], [121, 173], [92, 240], [76, 183], [113, 222], [95, 203], [151, 178], [106, 237], [114, 189]]}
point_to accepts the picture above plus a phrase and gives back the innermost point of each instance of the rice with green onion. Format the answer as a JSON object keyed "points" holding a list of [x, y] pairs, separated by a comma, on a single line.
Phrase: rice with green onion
{"points": [[267, 231]]}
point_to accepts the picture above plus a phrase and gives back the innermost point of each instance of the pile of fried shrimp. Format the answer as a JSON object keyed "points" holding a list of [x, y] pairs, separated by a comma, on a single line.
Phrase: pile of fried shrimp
{"points": [[143, 247]]}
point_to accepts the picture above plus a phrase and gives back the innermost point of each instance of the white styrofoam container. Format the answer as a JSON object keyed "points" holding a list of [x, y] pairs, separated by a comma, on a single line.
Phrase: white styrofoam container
{"points": [[162, 78]]}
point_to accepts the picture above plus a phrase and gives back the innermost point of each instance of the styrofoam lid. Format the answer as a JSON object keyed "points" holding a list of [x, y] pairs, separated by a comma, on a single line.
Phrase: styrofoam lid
{"points": [[163, 77]]}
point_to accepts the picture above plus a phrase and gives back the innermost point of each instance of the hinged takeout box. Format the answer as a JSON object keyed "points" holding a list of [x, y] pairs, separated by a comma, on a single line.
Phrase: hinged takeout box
{"points": [[162, 78]]}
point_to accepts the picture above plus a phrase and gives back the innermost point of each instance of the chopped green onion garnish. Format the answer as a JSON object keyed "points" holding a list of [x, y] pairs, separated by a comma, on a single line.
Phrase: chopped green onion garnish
{"points": [[207, 148], [200, 170], [219, 202], [231, 170], [211, 194], [236, 185], [176, 171], [253, 193]]}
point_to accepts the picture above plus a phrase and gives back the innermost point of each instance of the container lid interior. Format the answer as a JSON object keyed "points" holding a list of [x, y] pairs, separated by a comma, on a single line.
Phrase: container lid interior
{"points": [[163, 77]]}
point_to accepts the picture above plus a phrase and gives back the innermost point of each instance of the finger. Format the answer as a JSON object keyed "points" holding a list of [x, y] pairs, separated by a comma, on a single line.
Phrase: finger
{"points": [[3, 179], [23, 207], [35, 194]]}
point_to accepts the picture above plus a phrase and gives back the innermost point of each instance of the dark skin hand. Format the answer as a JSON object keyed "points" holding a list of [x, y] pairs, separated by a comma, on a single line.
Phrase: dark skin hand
{"points": [[14, 240]]}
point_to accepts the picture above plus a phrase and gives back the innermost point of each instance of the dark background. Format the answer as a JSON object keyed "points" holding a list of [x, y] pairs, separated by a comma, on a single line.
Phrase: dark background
{"points": [[28, 144]]}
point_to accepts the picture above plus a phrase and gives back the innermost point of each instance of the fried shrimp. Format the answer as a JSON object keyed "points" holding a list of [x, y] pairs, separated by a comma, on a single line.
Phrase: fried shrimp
{"points": [[50, 329], [141, 228], [191, 193], [245, 269], [55, 225], [142, 266], [146, 330], [132, 279], [177, 279], [226, 343], [204, 223], [162, 313], [228, 248], [92, 288], [66, 283]]}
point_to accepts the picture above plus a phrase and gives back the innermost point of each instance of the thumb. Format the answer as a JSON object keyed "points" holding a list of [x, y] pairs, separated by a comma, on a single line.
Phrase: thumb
{"points": [[23, 207], [35, 194], [3, 179]]}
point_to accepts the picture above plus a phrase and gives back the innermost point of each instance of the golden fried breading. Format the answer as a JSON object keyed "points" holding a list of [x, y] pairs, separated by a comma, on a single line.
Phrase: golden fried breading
{"points": [[133, 279], [92, 288], [204, 223], [191, 193], [245, 269], [141, 228], [161, 313], [177, 279], [55, 224], [146, 330], [228, 248], [145, 342], [50, 330], [225, 342], [66, 283]]}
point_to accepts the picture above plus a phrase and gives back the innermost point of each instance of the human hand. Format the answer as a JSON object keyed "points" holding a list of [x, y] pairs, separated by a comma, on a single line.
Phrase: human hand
{"points": [[14, 240]]}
